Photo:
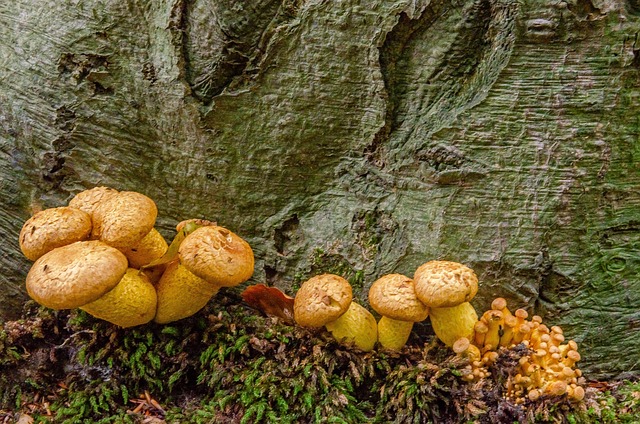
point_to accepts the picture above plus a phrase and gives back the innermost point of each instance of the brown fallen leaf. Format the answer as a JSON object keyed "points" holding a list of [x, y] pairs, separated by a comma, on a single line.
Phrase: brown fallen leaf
{"points": [[269, 300]]}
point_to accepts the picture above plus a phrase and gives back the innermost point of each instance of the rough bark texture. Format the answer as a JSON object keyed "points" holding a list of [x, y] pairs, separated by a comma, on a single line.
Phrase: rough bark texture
{"points": [[360, 137]]}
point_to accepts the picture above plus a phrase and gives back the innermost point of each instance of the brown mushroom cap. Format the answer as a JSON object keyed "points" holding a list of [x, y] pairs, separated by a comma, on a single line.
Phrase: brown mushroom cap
{"points": [[124, 219], [441, 284], [217, 255], [321, 299], [88, 200], [51, 228], [76, 274], [394, 296]]}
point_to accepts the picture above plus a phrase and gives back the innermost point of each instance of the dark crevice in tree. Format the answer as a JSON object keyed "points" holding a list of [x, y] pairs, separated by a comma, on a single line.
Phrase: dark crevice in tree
{"points": [[283, 235], [224, 41], [451, 85]]}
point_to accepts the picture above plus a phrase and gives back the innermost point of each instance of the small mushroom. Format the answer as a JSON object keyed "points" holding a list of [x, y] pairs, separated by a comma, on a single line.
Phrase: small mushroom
{"points": [[51, 228], [181, 293], [447, 287], [151, 247], [76, 274], [124, 219], [393, 296], [131, 302], [325, 300], [217, 255]]}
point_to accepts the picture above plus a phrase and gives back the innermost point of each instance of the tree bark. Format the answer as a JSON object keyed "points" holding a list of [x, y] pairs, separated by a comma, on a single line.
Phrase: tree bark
{"points": [[358, 137]]}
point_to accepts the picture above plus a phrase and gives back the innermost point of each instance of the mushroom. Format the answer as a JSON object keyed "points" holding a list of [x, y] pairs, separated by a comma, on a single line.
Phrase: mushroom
{"points": [[51, 228], [325, 300], [151, 247], [88, 200], [124, 219], [447, 287], [181, 293], [131, 302], [393, 296], [217, 255], [76, 274]]}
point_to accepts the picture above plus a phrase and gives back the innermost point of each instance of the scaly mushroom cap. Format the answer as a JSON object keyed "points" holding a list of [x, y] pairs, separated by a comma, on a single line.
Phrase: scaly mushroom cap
{"points": [[441, 284], [76, 274], [124, 219], [150, 248], [394, 296], [88, 200], [131, 302], [51, 228], [181, 294], [217, 255], [321, 299]]}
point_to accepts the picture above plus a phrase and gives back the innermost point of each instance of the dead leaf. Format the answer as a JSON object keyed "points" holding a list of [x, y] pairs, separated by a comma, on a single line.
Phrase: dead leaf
{"points": [[269, 300]]}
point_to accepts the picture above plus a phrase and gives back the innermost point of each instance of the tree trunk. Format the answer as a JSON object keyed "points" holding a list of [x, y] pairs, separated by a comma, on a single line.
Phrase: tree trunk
{"points": [[356, 137]]}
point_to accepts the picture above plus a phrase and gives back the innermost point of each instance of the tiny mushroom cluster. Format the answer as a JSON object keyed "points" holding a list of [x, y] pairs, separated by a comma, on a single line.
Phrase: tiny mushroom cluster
{"points": [[547, 369], [102, 254]]}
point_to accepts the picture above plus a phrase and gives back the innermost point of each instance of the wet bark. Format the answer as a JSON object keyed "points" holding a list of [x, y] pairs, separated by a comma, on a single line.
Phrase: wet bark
{"points": [[360, 137]]}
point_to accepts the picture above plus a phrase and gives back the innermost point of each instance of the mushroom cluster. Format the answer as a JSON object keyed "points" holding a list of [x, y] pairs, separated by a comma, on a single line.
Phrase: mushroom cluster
{"points": [[102, 254], [548, 368], [440, 290]]}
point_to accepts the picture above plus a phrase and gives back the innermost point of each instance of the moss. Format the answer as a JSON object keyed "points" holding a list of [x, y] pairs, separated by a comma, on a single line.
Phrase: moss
{"points": [[227, 364], [333, 263]]}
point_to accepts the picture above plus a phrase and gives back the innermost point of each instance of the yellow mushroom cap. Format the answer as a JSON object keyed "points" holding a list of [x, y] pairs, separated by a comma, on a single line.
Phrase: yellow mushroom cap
{"points": [[151, 247], [131, 302], [394, 296], [51, 228], [76, 274], [88, 200], [445, 284], [217, 255], [321, 299], [124, 219]]}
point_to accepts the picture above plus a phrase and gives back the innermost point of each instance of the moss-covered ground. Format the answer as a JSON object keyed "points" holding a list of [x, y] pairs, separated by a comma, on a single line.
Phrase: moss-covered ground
{"points": [[230, 364]]}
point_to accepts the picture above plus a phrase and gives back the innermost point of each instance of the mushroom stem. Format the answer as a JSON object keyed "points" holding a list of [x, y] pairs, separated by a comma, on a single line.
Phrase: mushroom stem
{"points": [[495, 323], [357, 326], [452, 323], [392, 333], [479, 331]]}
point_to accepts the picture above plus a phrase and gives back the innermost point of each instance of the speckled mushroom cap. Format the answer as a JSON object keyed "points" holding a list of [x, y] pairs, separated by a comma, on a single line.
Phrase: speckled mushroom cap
{"points": [[394, 296], [441, 284], [51, 228], [217, 255], [88, 200], [321, 299], [76, 274], [123, 220]]}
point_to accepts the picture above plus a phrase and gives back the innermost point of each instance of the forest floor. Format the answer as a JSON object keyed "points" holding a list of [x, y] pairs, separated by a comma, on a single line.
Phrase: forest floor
{"points": [[231, 364]]}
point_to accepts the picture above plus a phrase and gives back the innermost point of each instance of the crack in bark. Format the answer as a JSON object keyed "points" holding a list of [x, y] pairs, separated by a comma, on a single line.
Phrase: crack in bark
{"points": [[460, 77], [224, 42]]}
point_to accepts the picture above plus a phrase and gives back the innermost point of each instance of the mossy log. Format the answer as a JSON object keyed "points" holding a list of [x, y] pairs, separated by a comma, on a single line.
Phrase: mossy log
{"points": [[361, 137]]}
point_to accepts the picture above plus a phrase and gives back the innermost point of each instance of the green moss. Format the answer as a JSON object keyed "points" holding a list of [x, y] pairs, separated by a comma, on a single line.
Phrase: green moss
{"points": [[227, 364], [331, 263]]}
